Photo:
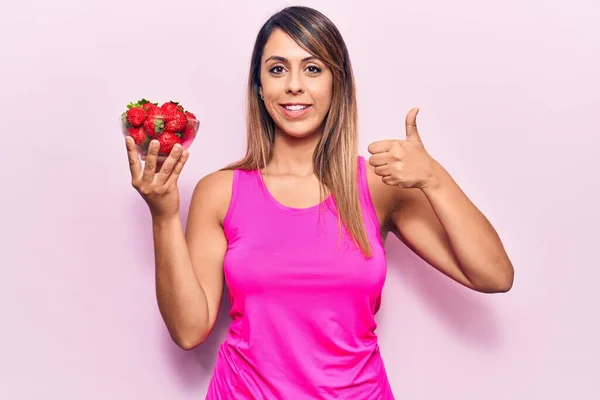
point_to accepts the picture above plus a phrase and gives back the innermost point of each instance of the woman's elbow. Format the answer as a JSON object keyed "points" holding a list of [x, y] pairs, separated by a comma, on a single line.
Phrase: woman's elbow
{"points": [[189, 341], [501, 282]]}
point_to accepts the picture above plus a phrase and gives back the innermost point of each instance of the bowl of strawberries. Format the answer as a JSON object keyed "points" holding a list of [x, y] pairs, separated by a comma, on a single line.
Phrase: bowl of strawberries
{"points": [[169, 123]]}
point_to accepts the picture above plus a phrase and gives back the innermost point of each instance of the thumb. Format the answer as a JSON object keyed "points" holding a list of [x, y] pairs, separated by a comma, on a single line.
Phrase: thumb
{"points": [[411, 125]]}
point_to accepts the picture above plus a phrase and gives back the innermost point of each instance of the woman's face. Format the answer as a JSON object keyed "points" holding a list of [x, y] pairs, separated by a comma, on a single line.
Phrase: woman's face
{"points": [[296, 87]]}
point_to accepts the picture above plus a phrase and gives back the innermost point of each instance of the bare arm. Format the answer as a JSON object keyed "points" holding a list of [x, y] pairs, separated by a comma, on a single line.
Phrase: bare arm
{"points": [[446, 230], [189, 265], [429, 212], [464, 243]]}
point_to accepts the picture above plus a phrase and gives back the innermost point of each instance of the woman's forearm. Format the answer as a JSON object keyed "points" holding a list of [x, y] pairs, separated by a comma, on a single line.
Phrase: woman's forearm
{"points": [[181, 299], [475, 242]]}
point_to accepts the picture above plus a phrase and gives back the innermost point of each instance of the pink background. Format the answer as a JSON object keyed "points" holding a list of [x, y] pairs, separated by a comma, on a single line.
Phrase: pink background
{"points": [[510, 105]]}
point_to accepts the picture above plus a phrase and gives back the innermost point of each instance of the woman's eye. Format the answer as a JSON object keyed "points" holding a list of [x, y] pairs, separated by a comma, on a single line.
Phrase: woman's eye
{"points": [[276, 70]]}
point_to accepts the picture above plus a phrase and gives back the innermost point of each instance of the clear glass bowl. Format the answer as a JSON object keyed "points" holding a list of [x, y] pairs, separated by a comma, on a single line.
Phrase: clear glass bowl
{"points": [[161, 132]]}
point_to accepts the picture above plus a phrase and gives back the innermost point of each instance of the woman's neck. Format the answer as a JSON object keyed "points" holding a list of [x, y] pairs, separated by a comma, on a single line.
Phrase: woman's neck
{"points": [[292, 156]]}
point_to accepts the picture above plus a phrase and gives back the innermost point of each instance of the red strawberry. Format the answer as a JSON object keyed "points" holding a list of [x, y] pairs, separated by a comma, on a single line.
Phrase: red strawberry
{"points": [[140, 103], [167, 140], [149, 106], [190, 130], [156, 111], [138, 135], [154, 125], [136, 116], [148, 133], [176, 122], [171, 106]]}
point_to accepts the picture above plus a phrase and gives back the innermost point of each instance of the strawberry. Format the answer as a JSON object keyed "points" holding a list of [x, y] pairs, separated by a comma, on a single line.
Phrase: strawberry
{"points": [[149, 133], [154, 125], [138, 135], [176, 122], [170, 122], [172, 106], [140, 103], [190, 130], [136, 116], [156, 111], [149, 106], [167, 140]]}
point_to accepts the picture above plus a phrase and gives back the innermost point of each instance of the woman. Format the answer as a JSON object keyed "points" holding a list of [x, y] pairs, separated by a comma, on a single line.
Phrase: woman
{"points": [[297, 228]]}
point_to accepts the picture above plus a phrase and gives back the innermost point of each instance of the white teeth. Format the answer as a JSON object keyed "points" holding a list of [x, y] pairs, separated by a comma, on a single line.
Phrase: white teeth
{"points": [[295, 108]]}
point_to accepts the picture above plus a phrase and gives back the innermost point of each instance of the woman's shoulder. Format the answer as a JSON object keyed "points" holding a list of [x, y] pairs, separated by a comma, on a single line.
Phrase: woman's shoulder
{"points": [[217, 180]]}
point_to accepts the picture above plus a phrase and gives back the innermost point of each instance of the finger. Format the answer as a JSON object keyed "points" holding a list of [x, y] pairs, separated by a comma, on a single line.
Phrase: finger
{"points": [[379, 159], [384, 170], [169, 164], [411, 125], [134, 161], [390, 180], [150, 165], [380, 146], [178, 167]]}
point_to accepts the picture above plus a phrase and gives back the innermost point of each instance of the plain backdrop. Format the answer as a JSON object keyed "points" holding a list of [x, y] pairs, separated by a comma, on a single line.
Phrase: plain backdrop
{"points": [[510, 104]]}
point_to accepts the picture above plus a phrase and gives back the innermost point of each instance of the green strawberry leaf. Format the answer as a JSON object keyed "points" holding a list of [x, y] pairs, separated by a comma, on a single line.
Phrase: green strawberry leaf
{"points": [[159, 125]]}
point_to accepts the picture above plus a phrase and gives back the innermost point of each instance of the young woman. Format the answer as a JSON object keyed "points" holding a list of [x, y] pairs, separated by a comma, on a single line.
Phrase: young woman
{"points": [[297, 228]]}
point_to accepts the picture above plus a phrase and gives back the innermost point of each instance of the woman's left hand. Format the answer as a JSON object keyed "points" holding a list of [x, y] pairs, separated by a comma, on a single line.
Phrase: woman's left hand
{"points": [[403, 163]]}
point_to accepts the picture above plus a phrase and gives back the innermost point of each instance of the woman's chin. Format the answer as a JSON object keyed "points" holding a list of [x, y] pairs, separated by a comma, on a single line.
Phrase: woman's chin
{"points": [[299, 132]]}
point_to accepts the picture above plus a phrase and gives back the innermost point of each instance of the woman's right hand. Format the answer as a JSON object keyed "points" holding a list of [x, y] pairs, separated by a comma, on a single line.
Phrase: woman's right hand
{"points": [[157, 184]]}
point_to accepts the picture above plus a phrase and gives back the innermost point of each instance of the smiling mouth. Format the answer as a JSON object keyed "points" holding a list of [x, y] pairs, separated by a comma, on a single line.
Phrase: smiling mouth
{"points": [[295, 107]]}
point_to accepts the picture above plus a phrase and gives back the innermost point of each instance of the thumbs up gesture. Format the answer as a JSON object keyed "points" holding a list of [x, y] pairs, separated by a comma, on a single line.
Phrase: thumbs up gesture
{"points": [[403, 163]]}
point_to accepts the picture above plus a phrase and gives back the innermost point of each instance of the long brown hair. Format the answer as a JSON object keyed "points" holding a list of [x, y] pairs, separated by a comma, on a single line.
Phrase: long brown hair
{"points": [[335, 157]]}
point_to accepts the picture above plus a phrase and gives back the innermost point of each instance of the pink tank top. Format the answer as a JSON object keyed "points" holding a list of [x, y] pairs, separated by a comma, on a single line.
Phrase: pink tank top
{"points": [[302, 301]]}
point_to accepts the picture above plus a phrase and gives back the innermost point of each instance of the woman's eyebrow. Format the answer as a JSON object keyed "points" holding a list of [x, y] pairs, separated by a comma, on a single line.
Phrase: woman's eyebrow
{"points": [[285, 60]]}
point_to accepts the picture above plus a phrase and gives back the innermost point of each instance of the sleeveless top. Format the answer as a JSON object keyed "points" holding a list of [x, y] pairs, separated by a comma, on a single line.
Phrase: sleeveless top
{"points": [[303, 300]]}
